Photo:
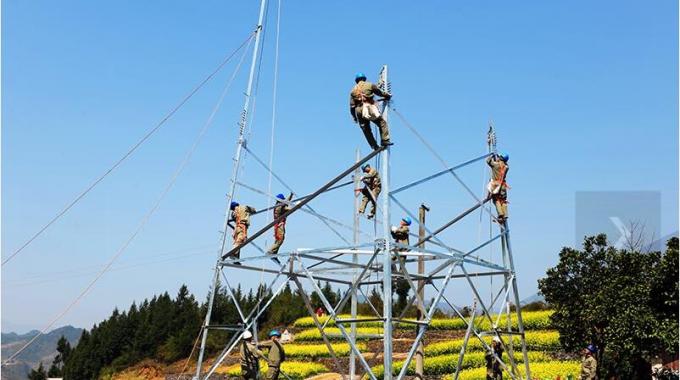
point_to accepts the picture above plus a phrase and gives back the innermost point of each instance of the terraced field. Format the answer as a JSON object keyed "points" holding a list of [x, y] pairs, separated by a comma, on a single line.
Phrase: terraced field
{"points": [[308, 356]]}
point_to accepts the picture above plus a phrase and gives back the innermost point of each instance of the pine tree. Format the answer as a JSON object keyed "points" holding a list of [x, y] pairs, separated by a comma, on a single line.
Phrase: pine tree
{"points": [[38, 374]]}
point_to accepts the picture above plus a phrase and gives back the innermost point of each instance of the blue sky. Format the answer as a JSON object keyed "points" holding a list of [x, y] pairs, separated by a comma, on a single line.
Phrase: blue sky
{"points": [[583, 95]]}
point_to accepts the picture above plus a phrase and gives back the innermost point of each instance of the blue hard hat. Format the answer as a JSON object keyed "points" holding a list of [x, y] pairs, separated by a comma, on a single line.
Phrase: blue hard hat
{"points": [[233, 205], [274, 333], [365, 167], [406, 220], [360, 76], [592, 348], [505, 157], [280, 196]]}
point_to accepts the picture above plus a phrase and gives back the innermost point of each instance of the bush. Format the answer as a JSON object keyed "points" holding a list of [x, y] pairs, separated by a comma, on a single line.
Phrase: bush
{"points": [[333, 333], [536, 340], [545, 370], [294, 370], [440, 365], [314, 351]]}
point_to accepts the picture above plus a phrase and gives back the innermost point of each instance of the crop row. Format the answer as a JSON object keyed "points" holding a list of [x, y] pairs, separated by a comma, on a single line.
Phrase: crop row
{"points": [[333, 333], [293, 370], [536, 340], [313, 351], [540, 370], [534, 320], [441, 365]]}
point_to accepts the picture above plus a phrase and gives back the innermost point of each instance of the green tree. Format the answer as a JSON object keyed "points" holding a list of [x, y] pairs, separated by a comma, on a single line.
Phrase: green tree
{"points": [[63, 353], [38, 374], [624, 302]]}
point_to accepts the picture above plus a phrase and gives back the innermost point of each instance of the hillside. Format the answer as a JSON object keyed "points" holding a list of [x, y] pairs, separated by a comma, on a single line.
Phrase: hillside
{"points": [[308, 356], [43, 350]]}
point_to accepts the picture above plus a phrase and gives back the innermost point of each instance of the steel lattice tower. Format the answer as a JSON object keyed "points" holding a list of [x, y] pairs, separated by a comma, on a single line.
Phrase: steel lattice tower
{"points": [[357, 266]]}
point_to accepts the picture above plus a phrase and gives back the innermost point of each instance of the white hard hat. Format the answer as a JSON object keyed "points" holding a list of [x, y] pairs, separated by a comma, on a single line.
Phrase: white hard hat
{"points": [[247, 335], [496, 339]]}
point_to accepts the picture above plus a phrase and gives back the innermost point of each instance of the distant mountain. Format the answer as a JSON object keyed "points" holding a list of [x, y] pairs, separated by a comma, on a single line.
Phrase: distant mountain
{"points": [[537, 297], [42, 350]]}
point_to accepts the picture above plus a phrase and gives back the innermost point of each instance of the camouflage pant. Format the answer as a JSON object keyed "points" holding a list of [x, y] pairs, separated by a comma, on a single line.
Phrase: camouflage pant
{"points": [[367, 198], [273, 373], [365, 125], [240, 235], [279, 236], [248, 373], [501, 202]]}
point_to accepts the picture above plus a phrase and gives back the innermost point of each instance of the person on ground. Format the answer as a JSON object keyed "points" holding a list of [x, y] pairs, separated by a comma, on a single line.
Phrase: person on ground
{"points": [[249, 357], [589, 363], [493, 358], [276, 356]]}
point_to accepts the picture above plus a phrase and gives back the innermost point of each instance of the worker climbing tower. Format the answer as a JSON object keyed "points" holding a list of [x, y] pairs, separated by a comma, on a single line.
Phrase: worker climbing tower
{"points": [[369, 261]]}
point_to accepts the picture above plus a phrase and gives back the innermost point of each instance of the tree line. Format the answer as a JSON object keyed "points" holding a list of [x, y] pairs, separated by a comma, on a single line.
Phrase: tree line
{"points": [[165, 329]]}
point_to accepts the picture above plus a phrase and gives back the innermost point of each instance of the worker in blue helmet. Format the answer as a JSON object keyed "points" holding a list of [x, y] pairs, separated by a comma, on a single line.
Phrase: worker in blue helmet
{"points": [[282, 206], [589, 363], [276, 356], [363, 108], [498, 187], [240, 216], [370, 191], [400, 234]]}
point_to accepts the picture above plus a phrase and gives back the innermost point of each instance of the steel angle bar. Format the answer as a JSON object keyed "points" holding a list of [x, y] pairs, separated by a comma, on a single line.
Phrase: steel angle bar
{"points": [[518, 309], [465, 340], [487, 314], [454, 220], [368, 301], [413, 217], [291, 190], [433, 176], [329, 307], [303, 202], [324, 260], [233, 297], [423, 328], [484, 244], [310, 309], [248, 325]]}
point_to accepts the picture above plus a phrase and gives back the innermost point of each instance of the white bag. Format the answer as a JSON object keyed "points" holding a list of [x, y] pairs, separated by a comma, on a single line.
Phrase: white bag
{"points": [[370, 112]]}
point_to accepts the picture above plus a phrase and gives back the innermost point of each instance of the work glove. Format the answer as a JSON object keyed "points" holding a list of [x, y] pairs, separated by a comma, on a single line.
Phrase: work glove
{"points": [[388, 96], [394, 229]]}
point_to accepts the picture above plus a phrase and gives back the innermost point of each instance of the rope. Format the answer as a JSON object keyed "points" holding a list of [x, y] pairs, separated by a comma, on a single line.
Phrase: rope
{"points": [[276, 80], [141, 225], [130, 151], [437, 156], [186, 363]]}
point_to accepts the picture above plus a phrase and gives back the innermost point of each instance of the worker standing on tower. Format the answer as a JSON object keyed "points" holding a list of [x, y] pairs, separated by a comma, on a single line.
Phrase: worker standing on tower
{"points": [[249, 357], [370, 191], [240, 215], [363, 109], [401, 233], [281, 207], [497, 187]]}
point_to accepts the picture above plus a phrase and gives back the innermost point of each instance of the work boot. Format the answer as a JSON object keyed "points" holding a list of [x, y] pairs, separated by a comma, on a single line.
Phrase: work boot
{"points": [[276, 260], [387, 143], [369, 216]]}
